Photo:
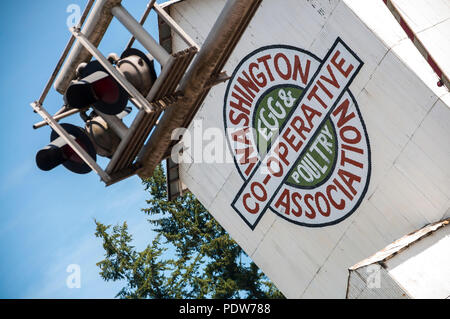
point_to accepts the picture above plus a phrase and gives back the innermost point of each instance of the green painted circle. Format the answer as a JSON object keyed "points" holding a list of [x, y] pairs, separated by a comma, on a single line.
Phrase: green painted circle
{"points": [[316, 164]]}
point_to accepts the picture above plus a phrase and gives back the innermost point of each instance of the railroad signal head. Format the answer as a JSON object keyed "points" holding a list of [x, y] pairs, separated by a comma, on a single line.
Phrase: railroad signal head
{"points": [[59, 152], [95, 87], [138, 68], [105, 140]]}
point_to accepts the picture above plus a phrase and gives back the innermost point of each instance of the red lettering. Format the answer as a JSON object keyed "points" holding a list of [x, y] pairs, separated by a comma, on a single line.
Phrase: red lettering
{"points": [[312, 213], [345, 160], [290, 139], [341, 204], [352, 148], [298, 212], [299, 126], [310, 113], [299, 70], [250, 210], [248, 85], [348, 140], [263, 60], [339, 65], [283, 201], [241, 117], [262, 79], [327, 92], [349, 179], [349, 196], [248, 98], [282, 155], [343, 109], [317, 198], [269, 167], [313, 94], [333, 80], [240, 103], [241, 136], [286, 76], [254, 187], [245, 159]]}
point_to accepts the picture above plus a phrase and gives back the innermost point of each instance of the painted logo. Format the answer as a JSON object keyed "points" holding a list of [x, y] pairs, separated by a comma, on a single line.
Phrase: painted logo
{"points": [[297, 136]]}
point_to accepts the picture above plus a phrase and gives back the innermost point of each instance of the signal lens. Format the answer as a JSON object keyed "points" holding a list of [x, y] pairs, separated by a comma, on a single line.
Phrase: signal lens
{"points": [[71, 155], [107, 90]]}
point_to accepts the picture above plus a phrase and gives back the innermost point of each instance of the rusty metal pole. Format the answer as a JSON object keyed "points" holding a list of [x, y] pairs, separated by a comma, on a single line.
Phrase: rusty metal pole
{"points": [[215, 52]]}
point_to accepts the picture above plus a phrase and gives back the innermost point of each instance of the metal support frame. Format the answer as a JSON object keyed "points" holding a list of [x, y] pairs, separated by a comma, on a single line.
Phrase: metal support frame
{"points": [[141, 34], [135, 95], [175, 27], [59, 116], [115, 124], [61, 113], [71, 141], [86, 46], [142, 21], [95, 28], [53, 121], [125, 141], [79, 53], [215, 52]]}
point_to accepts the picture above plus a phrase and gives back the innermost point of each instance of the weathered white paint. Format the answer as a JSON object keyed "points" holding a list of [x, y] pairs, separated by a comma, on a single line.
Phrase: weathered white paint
{"points": [[431, 24], [423, 270], [407, 119], [414, 266], [374, 282]]}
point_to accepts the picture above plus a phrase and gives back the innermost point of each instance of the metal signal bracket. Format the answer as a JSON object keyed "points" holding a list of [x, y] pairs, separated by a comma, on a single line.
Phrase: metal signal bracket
{"points": [[82, 46], [175, 96], [71, 141]]}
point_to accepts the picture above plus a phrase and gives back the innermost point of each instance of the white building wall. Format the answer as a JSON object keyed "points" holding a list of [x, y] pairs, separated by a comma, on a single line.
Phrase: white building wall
{"points": [[415, 266], [423, 270], [374, 282], [407, 119]]}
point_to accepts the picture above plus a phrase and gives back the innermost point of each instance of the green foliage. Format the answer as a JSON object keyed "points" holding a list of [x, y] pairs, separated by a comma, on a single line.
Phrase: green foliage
{"points": [[191, 257]]}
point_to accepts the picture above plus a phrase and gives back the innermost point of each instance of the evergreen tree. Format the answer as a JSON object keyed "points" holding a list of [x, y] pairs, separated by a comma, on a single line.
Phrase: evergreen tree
{"points": [[191, 257]]}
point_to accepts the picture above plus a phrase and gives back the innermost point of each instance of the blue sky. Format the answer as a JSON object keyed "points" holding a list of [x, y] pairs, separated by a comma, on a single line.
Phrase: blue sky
{"points": [[47, 218]]}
